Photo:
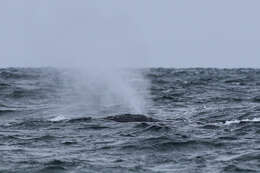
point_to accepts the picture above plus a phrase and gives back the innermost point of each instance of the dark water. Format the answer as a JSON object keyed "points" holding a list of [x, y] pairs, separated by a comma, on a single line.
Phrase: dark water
{"points": [[199, 120]]}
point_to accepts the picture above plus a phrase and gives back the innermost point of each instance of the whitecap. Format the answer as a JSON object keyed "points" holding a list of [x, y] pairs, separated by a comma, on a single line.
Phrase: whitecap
{"points": [[58, 118], [243, 120]]}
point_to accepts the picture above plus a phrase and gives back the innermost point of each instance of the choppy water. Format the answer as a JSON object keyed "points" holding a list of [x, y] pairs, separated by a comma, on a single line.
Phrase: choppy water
{"points": [[199, 120]]}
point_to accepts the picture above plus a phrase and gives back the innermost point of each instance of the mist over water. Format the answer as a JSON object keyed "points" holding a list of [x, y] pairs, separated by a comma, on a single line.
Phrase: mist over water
{"points": [[99, 91], [106, 87]]}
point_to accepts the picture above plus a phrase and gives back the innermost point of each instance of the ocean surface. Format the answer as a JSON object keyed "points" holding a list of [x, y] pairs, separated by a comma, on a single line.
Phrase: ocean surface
{"points": [[193, 121]]}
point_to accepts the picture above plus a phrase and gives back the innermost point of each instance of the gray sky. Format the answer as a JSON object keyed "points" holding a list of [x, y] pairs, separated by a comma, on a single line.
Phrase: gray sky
{"points": [[136, 33]]}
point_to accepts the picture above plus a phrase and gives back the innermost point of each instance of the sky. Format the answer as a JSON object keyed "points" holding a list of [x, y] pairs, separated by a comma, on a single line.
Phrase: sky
{"points": [[130, 33]]}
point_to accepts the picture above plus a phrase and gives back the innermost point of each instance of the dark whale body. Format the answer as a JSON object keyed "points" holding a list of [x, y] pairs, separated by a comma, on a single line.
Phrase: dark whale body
{"points": [[124, 118]]}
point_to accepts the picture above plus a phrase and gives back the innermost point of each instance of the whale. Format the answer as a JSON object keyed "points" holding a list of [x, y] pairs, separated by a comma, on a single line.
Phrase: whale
{"points": [[124, 118]]}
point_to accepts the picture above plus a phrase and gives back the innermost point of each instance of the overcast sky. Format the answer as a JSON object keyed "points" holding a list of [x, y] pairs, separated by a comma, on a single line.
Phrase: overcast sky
{"points": [[136, 33]]}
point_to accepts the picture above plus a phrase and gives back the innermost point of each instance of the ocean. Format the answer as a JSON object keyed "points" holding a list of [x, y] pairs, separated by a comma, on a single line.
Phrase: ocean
{"points": [[191, 120]]}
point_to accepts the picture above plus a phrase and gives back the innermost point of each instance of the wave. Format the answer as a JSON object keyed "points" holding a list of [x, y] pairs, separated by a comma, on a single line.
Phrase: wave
{"points": [[7, 111], [171, 143], [58, 118], [241, 121], [18, 74]]}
